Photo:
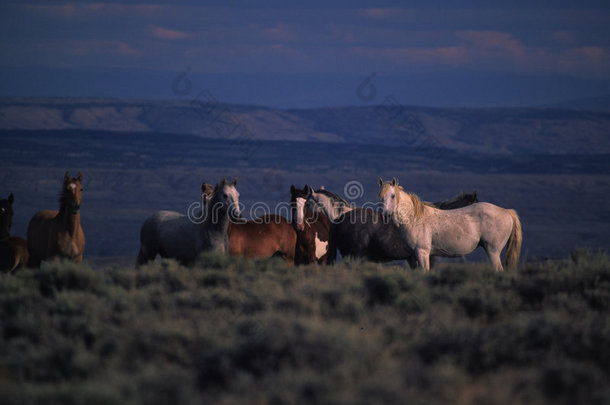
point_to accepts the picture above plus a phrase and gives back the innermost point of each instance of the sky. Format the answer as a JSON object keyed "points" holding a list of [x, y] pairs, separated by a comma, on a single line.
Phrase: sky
{"points": [[309, 54]]}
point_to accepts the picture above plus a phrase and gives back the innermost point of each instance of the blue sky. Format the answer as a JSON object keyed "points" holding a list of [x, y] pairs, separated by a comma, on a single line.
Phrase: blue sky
{"points": [[289, 54]]}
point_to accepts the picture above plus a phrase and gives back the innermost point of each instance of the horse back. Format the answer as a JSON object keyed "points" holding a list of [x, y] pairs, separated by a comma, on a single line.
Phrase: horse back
{"points": [[363, 232], [39, 231], [262, 237]]}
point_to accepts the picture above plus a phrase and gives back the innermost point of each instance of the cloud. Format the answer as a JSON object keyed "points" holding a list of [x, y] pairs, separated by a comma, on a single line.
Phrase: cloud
{"points": [[95, 9], [495, 51], [95, 47], [281, 32], [387, 14], [166, 34]]}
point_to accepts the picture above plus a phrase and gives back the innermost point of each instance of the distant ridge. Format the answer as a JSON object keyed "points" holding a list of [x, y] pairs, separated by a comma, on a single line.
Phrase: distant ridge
{"points": [[549, 130], [601, 103]]}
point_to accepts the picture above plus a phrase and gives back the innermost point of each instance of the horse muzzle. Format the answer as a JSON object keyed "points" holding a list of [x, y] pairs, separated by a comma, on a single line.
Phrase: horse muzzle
{"points": [[234, 215], [75, 209]]}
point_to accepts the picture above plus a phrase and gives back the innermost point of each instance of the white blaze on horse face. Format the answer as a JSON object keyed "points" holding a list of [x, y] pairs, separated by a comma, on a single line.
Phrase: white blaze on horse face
{"points": [[232, 198], [300, 212], [321, 247], [389, 201], [72, 186]]}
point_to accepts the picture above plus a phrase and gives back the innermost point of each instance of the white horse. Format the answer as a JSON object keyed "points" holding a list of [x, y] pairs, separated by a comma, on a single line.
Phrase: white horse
{"points": [[431, 231], [171, 234]]}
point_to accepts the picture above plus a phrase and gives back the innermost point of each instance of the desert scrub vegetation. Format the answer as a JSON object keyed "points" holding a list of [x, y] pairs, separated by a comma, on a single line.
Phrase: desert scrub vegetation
{"points": [[236, 331]]}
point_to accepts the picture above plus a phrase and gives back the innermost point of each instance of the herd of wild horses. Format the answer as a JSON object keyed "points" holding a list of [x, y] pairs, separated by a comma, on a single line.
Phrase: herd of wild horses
{"points": [[406, 228]]}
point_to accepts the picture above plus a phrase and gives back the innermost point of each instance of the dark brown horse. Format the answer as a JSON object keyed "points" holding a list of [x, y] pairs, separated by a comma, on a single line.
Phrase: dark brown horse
{"points": [[13, 250], [268, 236], [312, 228], [54, 233]]}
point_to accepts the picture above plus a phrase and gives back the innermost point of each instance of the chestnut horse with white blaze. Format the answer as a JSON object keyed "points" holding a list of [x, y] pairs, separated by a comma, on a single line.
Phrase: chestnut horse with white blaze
{"points": [[53, 233], [312, 226]]}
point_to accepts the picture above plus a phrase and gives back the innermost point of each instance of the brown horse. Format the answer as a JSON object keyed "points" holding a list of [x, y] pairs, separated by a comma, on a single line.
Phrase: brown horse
{"points": [[268, 236], [13, 250], [59, 233], [312, 228]]}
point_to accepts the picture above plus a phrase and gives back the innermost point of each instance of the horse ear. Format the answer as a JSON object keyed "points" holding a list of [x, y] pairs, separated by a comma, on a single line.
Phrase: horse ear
{"points": [[292, 189], [80, 176], [67, 176], [234, 181], [394, 181], [11, 199], [475, 196], [310, 191], [224, 181], [306, 188], [380, 181]]}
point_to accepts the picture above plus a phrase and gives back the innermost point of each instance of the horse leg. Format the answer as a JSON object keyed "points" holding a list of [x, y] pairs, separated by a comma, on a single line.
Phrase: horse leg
{"points": [[144, 256], [331, 254], [493, 255], [412, 260], [423, 258]]}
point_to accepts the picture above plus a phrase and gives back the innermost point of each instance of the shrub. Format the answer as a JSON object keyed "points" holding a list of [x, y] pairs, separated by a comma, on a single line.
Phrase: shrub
{"points": [[228, 330]]}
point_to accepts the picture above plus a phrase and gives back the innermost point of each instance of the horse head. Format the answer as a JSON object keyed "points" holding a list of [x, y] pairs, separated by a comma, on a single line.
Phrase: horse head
{"points": [[298, 198], [328, 202], [207, 191], [72, 192], [226, 197], [6, 215], [389, 195]]}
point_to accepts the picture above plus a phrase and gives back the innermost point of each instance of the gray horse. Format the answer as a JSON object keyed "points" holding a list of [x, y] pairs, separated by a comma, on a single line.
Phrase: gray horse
{"points": [[174, 235], [429, 231]]}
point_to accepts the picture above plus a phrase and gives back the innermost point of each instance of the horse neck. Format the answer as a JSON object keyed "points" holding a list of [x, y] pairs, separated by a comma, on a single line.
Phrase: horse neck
{"points": [[217, 219], [68, 220], [404, 211], [4, 233], [314, 215]]}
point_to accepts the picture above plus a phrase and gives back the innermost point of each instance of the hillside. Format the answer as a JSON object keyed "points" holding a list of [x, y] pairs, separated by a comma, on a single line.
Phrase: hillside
{"points": [[233, 331], [503, 131]]}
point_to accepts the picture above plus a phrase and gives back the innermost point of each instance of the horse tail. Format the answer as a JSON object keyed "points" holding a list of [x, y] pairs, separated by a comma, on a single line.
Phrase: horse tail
{"points": [[513, 246]]}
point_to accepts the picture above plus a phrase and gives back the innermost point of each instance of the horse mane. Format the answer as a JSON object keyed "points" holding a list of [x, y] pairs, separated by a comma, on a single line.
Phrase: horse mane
{"points": [[461, 200], [418, 205], [332, 195]]}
